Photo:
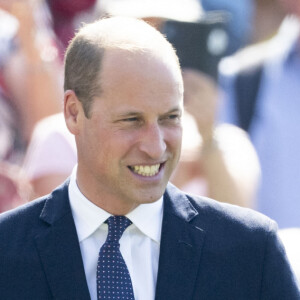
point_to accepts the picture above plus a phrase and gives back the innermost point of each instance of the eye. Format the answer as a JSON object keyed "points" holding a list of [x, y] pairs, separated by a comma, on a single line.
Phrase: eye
{"points": [[174, 117], [135, 121], [171, 119], [131, 119]]}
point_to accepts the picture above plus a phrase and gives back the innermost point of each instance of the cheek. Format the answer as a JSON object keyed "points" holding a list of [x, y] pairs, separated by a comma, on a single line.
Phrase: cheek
{"points": [[174, 138], [93, 144], [116, 145]]}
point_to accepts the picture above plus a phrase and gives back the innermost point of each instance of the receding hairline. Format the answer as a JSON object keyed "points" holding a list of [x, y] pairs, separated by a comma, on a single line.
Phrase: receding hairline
{"points": [[86, 51], [125, 33]]}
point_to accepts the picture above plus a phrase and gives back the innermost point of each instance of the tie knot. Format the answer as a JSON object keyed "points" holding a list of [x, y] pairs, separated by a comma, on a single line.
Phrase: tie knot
{"points": [[116, 227]]}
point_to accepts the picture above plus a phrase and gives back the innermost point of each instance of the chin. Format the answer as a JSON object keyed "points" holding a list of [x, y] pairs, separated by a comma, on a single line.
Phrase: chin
{"points": [[151, 196]]}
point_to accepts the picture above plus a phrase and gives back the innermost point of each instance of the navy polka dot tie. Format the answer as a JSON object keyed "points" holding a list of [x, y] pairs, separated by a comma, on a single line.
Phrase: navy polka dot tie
{"points": [[113, 279]]}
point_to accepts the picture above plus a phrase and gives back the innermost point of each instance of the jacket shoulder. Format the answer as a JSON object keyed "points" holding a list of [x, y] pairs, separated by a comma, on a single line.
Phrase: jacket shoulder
{"points": [[27, 218], [23, 212], [215, 212]]}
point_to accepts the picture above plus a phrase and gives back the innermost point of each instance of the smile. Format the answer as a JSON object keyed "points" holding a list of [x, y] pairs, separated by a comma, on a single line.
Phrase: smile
{"points": [[146, 170]]}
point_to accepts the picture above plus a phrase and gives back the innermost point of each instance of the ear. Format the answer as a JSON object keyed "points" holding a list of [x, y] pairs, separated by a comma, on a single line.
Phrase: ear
{"points": [[73, 112]]}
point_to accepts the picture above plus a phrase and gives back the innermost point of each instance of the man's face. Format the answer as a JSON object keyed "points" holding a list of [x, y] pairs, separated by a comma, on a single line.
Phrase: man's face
{"points": [[131, 143]]}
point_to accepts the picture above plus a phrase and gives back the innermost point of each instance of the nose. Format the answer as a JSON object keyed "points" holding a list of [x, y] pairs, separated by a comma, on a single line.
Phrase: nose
{"points": [[153, 141]]}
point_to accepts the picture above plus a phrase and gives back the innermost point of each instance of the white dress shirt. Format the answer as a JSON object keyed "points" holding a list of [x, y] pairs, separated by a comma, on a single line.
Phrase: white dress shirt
{"points": [[139, 243]]}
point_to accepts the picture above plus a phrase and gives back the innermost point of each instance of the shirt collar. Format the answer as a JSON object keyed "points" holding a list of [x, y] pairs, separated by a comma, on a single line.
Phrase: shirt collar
{"points": [[88, 217], [148, 219]]}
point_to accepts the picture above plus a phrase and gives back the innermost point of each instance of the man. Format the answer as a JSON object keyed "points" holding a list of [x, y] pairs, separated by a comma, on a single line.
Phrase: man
{"points": [[261, 92], [123, 102]]}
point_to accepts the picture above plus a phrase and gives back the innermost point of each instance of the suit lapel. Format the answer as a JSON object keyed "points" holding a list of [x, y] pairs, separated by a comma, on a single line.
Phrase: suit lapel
{"points": [[59, 249], [180, 249]]}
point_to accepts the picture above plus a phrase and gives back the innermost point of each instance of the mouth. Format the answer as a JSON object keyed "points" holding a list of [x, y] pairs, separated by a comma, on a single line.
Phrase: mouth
{"points": [[146, 170]]}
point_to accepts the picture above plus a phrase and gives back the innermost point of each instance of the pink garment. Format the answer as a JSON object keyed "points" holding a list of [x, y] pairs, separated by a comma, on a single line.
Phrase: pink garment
{"points": [[14, 188], [52, 149]]}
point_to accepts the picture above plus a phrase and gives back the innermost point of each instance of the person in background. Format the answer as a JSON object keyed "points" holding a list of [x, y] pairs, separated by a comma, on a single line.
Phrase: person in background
{"points": [[217, 160], [249, 21], [51, 155], [29, 90], [33, 37], [11, 139], [30, 73], [66, 16], [261, 90], [118, 219]]}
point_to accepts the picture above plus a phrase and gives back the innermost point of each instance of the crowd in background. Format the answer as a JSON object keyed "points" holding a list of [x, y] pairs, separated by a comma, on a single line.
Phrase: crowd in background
{"points": [[241, 142]]}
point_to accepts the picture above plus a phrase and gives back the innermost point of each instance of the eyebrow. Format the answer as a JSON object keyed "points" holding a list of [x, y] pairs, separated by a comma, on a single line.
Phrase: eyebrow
{"points": [[138, 113], [129, 114], [175, 109]]}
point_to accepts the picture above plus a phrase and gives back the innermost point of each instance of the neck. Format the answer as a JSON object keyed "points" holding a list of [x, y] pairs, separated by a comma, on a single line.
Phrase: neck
{"points": [[101, 198]]}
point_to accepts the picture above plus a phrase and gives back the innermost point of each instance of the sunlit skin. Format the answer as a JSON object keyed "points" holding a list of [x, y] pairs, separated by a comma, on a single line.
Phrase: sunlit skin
{"points": [[135, 122]]}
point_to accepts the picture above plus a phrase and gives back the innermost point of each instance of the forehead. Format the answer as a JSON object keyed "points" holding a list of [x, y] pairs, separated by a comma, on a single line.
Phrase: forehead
{"points": [[139, 70], [138, 81]]}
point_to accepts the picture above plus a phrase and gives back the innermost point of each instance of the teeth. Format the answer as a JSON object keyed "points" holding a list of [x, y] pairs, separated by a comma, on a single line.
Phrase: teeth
{"points": [[146, 170]]}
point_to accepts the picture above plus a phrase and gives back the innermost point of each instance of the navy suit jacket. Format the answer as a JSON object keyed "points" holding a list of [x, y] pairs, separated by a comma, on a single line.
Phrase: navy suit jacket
{"points": [[208, 250]]}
